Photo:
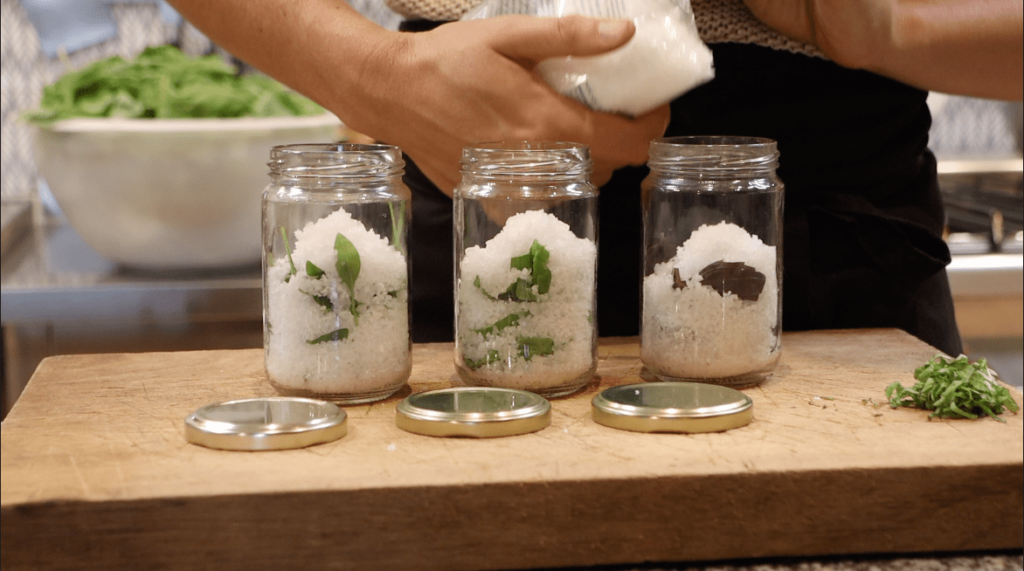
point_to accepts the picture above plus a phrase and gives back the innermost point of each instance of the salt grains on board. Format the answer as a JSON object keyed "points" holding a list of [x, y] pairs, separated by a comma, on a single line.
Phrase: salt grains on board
{"points": [[697, 332], [372, 355]]}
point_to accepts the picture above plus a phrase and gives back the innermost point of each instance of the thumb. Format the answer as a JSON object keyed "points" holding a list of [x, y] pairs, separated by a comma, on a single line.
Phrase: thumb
{"points": [[530, 40]]}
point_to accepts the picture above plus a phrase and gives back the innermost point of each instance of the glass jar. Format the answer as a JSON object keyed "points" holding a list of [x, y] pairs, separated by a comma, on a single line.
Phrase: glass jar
{"points": [[335, 272], [525, 267], [712, 297]]}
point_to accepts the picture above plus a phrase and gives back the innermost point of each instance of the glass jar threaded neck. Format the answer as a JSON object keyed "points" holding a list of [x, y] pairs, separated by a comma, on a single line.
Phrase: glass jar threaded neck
{"points": [[714, 156], [335, 162], [528, 160]]}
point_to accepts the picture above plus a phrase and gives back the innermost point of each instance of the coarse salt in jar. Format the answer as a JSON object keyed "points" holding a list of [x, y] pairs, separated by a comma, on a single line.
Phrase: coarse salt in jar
{"points": [[712, 299], [335, 272], [525, 265]]}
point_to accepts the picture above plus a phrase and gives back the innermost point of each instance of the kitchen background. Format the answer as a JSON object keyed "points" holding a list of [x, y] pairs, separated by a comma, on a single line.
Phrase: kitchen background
{"points": [[60, 297]]}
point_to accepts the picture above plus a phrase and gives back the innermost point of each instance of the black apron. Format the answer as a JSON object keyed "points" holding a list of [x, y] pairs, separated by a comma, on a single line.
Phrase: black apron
{"points": [[862, 243]]}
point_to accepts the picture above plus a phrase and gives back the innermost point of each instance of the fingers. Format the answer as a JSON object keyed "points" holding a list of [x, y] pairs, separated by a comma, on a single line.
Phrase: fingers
{"points": [[530, 40]]}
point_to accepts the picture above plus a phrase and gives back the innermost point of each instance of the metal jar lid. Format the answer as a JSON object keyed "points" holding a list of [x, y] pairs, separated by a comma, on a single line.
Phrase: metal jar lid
{"points": [[672, 407], [271, 423], [477, 412]]}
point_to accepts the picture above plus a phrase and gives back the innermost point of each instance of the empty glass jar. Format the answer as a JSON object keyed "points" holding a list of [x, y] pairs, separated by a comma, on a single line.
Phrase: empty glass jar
{"points": [[712, 298], [335, 272], [525, 267]]}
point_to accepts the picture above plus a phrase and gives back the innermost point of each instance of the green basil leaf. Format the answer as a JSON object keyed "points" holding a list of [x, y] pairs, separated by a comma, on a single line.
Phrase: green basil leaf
{"points": [[541, 273], [530, 347], [336, 335], [473, 364], [313, 271], [476, 282], [348, 262], [521, 290], [510, 320]]}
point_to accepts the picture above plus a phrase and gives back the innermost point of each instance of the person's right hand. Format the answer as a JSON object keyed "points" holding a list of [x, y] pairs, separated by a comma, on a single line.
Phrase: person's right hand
{"points": [[432, 93]]}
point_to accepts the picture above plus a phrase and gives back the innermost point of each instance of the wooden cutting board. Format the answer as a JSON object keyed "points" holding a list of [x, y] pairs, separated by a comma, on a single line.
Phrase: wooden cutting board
{"points": [[97, 473]]}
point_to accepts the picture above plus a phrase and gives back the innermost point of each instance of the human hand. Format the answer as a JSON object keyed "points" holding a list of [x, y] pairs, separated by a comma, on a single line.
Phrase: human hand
{"points": [[471, 82]]}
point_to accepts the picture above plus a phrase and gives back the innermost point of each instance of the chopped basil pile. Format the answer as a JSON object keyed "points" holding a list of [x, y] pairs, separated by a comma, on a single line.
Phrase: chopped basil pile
{"points": [[163, 83], [954, 388], [523, 290]]}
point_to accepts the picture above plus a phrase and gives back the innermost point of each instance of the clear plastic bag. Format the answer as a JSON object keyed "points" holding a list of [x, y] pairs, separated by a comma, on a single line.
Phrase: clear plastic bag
{"points": [[664, 59]]}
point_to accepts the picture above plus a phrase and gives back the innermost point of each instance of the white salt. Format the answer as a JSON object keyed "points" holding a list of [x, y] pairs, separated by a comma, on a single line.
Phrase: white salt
{"points": [[375, 355], [664, 59], [564, 314], [696, 332]]}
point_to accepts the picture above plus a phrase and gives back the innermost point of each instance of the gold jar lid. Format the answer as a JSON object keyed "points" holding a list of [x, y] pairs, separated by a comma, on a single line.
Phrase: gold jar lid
{"points": [[672, 407], [476, 412], [271, 423]]}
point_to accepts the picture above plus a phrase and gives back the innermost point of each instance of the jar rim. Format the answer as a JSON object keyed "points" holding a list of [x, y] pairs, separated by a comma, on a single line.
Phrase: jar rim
{"points": [[527, 158], [716, 141], [712, 153], [336, 160]]}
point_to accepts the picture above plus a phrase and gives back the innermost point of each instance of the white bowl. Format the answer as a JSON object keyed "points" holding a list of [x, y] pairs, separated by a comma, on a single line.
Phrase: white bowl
{"points": [[165, 194]]}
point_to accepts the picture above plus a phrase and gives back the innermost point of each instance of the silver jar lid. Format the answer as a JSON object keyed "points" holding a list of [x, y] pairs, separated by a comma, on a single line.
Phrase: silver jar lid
{"points": [[672, 407], [271, 423], [476, 412]]}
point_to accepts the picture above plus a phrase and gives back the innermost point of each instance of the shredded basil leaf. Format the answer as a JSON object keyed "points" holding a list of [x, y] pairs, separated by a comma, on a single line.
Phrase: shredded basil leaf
{"points": [[476, 282], [492, 357], [336, 335], [510, 320], [954, 388], [521, 290], [530, 347]]}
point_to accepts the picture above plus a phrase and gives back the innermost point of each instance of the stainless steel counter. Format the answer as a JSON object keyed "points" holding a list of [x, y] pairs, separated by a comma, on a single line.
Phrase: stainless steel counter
{"points": [[53, 275], [59, 296]]}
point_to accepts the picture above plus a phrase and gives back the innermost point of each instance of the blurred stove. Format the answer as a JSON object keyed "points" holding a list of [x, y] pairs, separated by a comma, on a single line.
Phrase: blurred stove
{"points": [[984, 211]]}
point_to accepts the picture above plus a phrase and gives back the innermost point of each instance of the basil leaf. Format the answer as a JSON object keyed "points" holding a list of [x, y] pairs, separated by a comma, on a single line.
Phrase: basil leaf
{"points": [[348, 270], [336, 335], [530, 347], [473, 364], [536, 261], [510, 320], [476, 282], [521, 290], [324, 301], [348, 261], [313, 271], [523, 262], [541, 273]]}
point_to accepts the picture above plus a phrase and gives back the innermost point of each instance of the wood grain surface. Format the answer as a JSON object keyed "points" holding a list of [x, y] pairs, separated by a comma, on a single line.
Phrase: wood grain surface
{"points": [[97, 473]]}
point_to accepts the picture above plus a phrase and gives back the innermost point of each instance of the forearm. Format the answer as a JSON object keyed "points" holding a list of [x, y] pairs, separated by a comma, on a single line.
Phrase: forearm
{"points": [[969, 47], [321, 48]]}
